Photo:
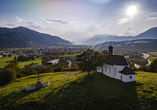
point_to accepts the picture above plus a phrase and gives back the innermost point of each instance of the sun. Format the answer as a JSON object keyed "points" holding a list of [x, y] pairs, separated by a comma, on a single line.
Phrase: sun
{"points": [[131, 10]]}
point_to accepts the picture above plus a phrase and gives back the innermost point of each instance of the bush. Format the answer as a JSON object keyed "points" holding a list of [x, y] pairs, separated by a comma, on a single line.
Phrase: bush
{"points": [[6, 76], [73, 69], [153, 66], [59, 68]]}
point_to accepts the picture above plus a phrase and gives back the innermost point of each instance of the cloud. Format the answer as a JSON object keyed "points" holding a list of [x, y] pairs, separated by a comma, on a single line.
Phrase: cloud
{"points": [[2, 22], [91, 28], [100, 1], [18, 20], [153, 18], [122, 21], [58, 21], [11, 24], [130, 32], [34, 24]]}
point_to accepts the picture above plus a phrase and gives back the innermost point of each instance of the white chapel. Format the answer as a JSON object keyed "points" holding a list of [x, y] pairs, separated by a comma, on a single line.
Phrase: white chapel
{"points": [[115, 66]]}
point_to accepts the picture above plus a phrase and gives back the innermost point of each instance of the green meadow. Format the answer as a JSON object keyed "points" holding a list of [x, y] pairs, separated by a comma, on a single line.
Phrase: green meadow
{"points": [[69, 55], [152, 53], [76, 91], [5, 60], [126, 56], [151, 58]]}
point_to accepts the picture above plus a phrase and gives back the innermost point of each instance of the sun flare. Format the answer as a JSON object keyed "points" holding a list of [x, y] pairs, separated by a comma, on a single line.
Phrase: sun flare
{"points": [[132, 10]]}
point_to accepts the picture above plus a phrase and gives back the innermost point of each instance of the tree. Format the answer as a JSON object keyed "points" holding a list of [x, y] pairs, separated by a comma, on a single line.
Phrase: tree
{"points": [[143, 67], [13, 65], [105, 53], [15, 58], [7, 75], [132, 65], [153, 66], [89, 60]]}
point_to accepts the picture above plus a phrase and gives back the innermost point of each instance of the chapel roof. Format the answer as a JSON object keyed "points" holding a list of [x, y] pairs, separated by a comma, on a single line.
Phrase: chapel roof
{"points": [[115, 60], [127, 71]]}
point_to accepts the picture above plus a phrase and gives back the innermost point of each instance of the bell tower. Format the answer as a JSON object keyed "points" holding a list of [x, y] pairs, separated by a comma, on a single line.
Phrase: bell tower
{"points": [[110, 49]]}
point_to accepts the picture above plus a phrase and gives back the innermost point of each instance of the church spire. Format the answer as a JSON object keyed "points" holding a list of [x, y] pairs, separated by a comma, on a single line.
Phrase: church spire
{"points": [[110, 49]]}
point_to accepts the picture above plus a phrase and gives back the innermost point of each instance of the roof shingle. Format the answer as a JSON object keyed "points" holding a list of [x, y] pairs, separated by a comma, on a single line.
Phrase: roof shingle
{"points": [[115, 60], [127, 71]]}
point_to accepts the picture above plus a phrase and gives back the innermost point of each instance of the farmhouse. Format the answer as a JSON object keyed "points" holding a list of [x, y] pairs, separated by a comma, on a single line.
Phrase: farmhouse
{"points": [[115, 66]]}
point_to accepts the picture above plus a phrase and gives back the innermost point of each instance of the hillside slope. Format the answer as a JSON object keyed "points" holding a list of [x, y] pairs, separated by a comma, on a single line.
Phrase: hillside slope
{"points": [[77, 91], [100, 38], [24, 37], [140, 44]]}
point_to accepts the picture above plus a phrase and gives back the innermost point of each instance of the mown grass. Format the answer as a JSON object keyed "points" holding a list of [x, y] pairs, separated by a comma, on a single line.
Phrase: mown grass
{"points": [[5, 60], [126, 56], [77, 91], [69, 55], [152, 53], [152, 58], [22, 64]]}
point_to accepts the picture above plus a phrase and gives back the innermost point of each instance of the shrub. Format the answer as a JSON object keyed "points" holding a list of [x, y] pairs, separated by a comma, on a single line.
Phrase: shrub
{"points": [[73, 69], [153, 66], [6, 76], [59, 68]]}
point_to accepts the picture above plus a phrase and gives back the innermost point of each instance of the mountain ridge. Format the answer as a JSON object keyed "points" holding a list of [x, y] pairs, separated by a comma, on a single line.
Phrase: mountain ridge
{"points": [[25, 37], [138, 44], [100, 38]]}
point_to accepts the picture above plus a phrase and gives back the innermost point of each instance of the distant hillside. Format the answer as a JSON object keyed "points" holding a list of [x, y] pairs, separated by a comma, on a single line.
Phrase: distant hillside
{"points": [[149, 34], [100, 38], [140, 44], [97, 39], [24, 37]]}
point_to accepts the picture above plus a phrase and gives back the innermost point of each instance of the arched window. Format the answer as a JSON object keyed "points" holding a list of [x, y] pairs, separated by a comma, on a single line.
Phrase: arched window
{"points": [[105, 68], [115, 71], [109, 69]]}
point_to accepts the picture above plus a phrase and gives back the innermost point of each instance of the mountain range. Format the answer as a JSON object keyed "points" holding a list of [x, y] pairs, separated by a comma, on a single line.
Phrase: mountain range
{"points": [[101, 38], [24, 37], [139, 44]]}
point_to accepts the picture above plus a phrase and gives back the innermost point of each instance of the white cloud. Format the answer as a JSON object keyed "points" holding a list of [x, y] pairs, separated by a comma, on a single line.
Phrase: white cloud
{"points": [[2, 22], [58, 21], [91, 28], [100, 1], [18, 20], [153, 18], [11, 24], [122, 21], [131, 32], [34, 24]]}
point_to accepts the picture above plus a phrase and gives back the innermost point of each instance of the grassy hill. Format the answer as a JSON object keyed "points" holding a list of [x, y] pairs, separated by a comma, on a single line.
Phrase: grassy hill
{"points": [[77, 91]]}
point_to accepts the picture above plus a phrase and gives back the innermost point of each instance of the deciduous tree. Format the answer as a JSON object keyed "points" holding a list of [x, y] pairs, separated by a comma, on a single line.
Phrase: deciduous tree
{"points": [[89, 60], [153, 66]]}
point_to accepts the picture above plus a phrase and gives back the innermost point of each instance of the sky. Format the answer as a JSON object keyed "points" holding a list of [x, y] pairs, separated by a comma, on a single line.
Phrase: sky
{"points": [[77, 20]]}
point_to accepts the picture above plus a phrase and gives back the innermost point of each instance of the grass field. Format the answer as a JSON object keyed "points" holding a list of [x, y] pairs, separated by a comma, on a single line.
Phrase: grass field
{"points": [[5, 60], [69, 55], [151, 58], [152, 53], [22, 64], [72, 91], [126, 56]]}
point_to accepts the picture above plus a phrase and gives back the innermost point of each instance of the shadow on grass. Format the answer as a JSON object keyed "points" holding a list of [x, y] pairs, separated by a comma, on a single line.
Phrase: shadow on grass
{"points": [[9, 61], [97, 92], [8, 101]]}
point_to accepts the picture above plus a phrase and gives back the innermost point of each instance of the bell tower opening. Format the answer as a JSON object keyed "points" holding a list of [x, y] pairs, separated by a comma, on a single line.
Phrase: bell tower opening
{"points": [[110, 49]]}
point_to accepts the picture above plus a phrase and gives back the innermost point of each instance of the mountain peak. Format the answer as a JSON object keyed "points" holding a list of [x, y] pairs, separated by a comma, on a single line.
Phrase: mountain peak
{"points": [[21, 37]]}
